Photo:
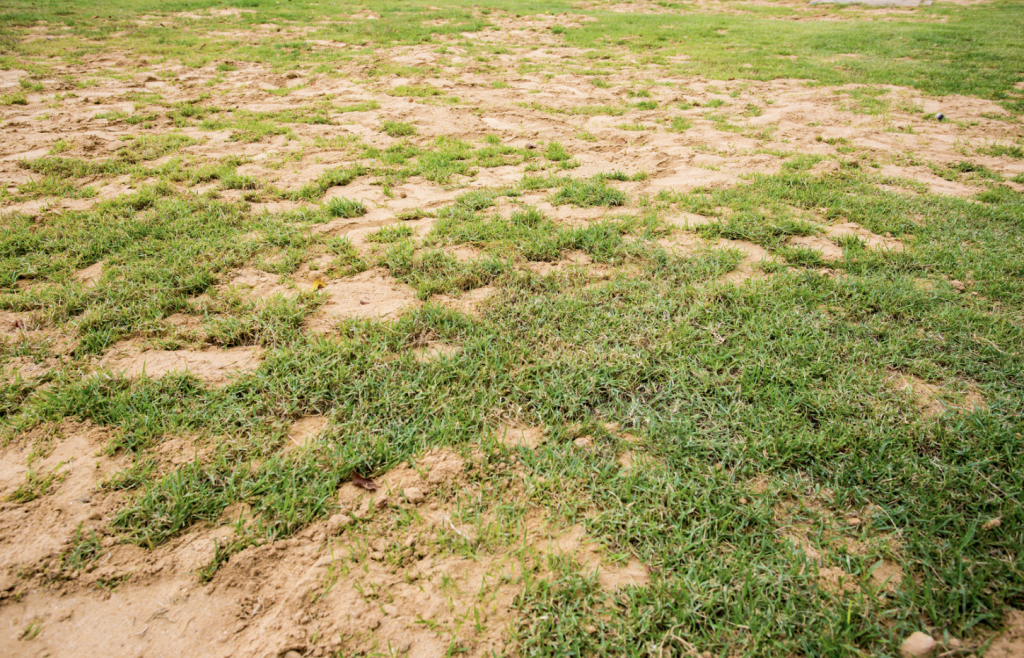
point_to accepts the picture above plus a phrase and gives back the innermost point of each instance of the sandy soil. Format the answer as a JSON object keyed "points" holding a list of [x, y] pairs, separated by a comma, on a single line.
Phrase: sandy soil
{"points": [[304, 594]]}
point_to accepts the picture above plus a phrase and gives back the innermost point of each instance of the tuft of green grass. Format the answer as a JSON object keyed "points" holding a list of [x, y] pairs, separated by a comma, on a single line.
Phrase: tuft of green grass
{"points": [[588, 192], [398, 129], [13, 98], [415, 91], [680, 124], [390, 234], [556, 152], [997, 150], [342, 207]]}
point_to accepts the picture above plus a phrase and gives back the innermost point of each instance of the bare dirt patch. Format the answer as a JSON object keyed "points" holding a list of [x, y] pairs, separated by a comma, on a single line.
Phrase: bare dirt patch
{"points": [[933, 400], [304, 430], [434, 351], [470, 302], [90, 275], [373, 294], [513, 436], [364, 580], [815, 529], [41, 520], [213, 366]]}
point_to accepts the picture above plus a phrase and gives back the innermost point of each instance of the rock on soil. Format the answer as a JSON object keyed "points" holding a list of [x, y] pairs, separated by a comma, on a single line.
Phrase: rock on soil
{"points": [[918, 645]]}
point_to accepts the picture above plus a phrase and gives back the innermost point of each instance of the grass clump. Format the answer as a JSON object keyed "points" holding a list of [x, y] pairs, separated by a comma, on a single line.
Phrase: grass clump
{"points": [[588, 192], [342, 207], [398, 129]]}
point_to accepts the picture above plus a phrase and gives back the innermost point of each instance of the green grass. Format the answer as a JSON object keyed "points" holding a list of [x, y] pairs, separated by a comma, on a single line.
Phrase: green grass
{"points": [[593, 192], [397, 129], [680, 124], [342, 207], [415, 91], [1011, 150], [760, 416]]}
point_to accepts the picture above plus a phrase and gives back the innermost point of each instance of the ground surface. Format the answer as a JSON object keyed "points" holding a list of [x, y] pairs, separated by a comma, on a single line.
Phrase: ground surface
{"points": [[659, 329]]}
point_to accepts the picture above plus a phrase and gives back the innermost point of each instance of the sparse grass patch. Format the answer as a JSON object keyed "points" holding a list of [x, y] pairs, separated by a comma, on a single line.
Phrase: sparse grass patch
{"points": [[817, 377], [592, 192], [342, 207], [397, 129]]}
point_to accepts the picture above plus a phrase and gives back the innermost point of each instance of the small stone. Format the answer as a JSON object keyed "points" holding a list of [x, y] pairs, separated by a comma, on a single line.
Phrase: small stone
{"points": [[743, 501], [95, 516], [293, 654], [940, 116], [853, 520], [414, 495], [406, 646], [531, 146], [958, 285], [918, 645], [403, 195], [381, 502], [992, 524]]}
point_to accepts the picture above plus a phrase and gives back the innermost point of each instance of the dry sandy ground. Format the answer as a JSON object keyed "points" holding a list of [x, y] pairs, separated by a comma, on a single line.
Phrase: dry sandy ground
{"points": [[303, 594]]}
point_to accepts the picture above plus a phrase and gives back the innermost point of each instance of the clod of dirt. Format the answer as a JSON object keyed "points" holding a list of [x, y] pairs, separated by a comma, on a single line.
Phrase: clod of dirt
{"points": [[304, 429], [836, 580], [414, 495], [918, 645], [992, 524], [337, 523], [213, 366], [90, 275]]}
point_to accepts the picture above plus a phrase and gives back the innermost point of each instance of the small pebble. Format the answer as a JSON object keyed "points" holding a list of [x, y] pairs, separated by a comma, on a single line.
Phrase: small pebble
{"points": [[531, 146], [940, 116], [918, 645]]}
